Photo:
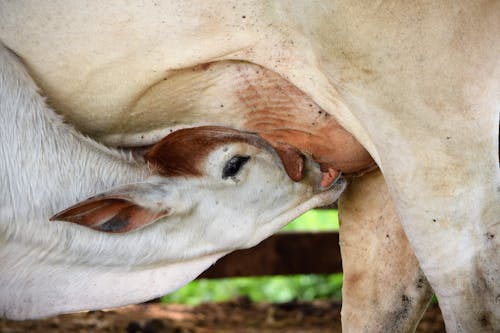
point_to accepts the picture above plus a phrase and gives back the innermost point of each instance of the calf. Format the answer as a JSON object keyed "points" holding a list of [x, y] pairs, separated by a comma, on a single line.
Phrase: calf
{"points": [[151, 228]]}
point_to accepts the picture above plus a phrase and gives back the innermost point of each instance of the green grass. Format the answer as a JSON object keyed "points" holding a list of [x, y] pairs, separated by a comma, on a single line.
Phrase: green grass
{"points": [[273, 288], [259, 289], [315, 220]]}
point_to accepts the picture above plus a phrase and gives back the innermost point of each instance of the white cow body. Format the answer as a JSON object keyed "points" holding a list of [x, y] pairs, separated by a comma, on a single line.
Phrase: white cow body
{"points": [[416, 83]]}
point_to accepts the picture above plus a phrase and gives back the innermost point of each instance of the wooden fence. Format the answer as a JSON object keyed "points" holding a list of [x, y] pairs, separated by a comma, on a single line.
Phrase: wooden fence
{"points": [[285, 253]]}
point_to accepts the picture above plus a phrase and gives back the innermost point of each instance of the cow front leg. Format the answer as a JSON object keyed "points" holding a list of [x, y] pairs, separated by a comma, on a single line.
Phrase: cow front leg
{"points": [[384, 289]]}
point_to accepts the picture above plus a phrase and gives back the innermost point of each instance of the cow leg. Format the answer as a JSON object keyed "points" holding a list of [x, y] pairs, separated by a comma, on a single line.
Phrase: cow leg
{"points": [[425, 93], [384, 288]]}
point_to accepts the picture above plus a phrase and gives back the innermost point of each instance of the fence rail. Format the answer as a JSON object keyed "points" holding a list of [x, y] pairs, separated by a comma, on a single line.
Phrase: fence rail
{"points": [[286, 253]]}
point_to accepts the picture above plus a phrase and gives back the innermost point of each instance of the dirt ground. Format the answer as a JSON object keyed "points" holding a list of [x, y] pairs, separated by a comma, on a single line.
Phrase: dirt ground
{"points": [[240, 316]]}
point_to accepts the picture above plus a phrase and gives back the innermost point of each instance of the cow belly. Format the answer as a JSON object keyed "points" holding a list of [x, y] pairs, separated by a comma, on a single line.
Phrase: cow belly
{"points": [[240, 95]]}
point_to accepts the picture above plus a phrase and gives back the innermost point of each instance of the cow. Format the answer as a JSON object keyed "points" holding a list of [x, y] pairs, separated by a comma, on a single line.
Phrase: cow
{"points": [[105, 212], [416, 84]]}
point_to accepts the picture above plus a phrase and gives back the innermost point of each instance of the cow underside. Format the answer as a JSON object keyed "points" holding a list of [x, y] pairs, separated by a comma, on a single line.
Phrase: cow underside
{"points": [[235, 94]]}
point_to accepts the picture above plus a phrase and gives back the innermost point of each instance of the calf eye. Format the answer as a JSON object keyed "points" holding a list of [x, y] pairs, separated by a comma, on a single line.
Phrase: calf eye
{"points": [[234, 165]]}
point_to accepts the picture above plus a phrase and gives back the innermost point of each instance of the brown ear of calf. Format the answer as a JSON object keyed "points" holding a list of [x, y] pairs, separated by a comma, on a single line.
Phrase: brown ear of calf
{"points": [[293, 160], [109, 214]]}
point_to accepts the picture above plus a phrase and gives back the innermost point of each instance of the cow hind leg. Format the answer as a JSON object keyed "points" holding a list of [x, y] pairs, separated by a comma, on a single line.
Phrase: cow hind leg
{"points": [[384, 288]]}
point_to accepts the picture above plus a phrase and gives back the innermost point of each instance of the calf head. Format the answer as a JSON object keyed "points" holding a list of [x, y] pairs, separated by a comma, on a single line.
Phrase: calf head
{"points": [[212, 184]]}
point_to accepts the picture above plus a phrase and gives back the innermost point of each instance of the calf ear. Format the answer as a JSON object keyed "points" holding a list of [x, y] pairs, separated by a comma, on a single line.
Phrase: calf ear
{"points": [[115, 213], [293, 160]]}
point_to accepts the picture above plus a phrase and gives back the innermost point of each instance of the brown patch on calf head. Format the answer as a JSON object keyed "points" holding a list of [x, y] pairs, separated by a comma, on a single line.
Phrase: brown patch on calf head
{"points": [[183, 152]]}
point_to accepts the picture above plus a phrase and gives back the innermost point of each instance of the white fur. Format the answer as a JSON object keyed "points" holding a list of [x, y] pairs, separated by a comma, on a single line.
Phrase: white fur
{"points": [[52, 267]]}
